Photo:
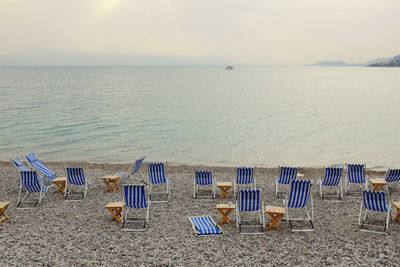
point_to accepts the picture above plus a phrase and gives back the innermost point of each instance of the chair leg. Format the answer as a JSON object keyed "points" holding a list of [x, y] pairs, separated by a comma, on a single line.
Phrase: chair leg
{"points": [[359, 217]]}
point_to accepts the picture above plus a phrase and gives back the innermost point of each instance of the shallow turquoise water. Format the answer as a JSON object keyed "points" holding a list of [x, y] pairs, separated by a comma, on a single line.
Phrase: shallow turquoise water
{"points": [[263, 116]]}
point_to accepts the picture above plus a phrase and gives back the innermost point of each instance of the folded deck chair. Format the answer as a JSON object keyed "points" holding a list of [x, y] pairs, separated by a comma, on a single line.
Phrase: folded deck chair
{"points": [[135, 198], [332, 179], [249, 203], [392, 176], [204, 225], [300, 197], [136, 169], [356, 175], [158, 176], [32, 183], [18, 163], [244, 176], [286, 176], [40, 166], [373, 201], [76, 178], [204, 179]]}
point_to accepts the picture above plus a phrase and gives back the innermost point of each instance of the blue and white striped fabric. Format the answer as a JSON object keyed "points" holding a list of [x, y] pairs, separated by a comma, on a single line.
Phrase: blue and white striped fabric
{"points": [[356, 173], [135, 196], [156, 173], [76, 176], [31, 182], [249, 199], [299, 194], [332, 176], [203, 177], [18, 163], [204, 225], [287, 174], [393, 175], [138, 164], [375, 200], [35, 162], [244, 175]]}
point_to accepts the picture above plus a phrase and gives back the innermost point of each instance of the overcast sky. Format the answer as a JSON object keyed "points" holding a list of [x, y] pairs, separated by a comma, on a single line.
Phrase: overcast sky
{"points": [[266, 32]]}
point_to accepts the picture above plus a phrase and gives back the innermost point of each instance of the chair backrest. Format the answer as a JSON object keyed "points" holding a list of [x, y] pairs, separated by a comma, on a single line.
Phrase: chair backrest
{"points": [[299, 193], [76, 175], [156, 172], [287, 174], [392, 175], [40, 166], [375, 200], [18, 163], [356, 173], [332, 176], [30, 181], [249, 199], [135, 196], [203, 177], [138, 164], [244, 175]]}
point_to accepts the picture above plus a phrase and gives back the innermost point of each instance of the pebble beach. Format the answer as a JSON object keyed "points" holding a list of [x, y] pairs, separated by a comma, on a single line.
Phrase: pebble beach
{"points": [[61, 233]]}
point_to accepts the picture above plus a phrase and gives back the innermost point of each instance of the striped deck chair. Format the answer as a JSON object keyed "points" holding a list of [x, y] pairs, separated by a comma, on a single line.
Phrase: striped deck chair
{"points": [[40, 166], [392, 176], [76, 178], [31, 182], [157, 177], [332, 179], [18, 163], [374, 201], [204, 179], [244, 176], [249, 203], [134, 198], [286, 176], [300, 197], [136, 168], [356, 175], [204, 225]]}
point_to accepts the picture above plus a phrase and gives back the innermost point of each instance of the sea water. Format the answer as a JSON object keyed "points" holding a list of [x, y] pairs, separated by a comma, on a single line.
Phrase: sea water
{"points": [[249, 116]]}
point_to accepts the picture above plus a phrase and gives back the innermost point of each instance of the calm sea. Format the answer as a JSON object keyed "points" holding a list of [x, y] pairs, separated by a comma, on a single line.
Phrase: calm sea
{"points": [[262, 116]]}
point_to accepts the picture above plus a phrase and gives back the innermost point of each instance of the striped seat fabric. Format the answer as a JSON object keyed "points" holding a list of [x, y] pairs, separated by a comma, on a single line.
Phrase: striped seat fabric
{"points": [[40, 166], [244, 175], [393, 175], [76, 176], [138, 164], [287, 174], [203, 177], [299, 194], [249, 199], [157, 173], [31, 181], [356, 173], [375, 200], [18, 163], [135, 196], [332, 176], [204, 225]]}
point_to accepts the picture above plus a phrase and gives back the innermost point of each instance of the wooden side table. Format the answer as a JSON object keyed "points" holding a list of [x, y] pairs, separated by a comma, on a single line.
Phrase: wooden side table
{"points": [[115, 208], [111, 183], [378, 184], [397, 206], [60, 183], [3, 207], [276, 213], [224, 187], [225, 210]]}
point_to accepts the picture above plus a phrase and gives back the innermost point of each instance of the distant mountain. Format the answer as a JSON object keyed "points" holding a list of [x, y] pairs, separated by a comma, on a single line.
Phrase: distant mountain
{"points": [[38, 58], [327, 63], [393, 62]]}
